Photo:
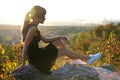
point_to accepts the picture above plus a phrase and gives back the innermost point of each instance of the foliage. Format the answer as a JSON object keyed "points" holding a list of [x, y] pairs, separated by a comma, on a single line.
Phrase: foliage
{"points": [[103, 38], [111, 50], [9, 59], [81, 42]]}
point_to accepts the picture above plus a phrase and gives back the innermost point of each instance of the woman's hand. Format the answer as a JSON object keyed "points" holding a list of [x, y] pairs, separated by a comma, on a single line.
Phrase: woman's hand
{"points": [[19, 68], [64, 38]]}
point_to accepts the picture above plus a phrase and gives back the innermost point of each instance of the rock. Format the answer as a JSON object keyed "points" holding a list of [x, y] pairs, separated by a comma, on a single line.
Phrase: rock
{"points": [[109, 67], [108, 72], [109, 76], [66, 72]]}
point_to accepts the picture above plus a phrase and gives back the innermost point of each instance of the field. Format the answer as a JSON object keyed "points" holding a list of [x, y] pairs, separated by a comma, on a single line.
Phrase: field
{"points": [[10, 34]]}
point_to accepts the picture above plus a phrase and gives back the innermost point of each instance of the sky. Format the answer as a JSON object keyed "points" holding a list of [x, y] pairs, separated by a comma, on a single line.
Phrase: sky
{"points": [[13, 11]]}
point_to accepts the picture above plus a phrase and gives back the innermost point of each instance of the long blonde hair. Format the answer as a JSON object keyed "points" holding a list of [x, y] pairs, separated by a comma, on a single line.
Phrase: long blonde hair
{"points": [[35, 11]]}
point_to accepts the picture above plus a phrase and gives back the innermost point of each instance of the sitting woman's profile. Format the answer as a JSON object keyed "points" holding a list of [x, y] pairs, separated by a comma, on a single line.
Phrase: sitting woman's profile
{"points": [[44, 58]]}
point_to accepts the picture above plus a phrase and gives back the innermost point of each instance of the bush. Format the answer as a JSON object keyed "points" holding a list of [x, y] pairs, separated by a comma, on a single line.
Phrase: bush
{"points": [[9, 59], [111, 50]]}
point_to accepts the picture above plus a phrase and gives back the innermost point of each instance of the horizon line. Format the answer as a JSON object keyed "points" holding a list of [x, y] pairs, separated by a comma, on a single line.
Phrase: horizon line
{"points": [[67, 22]]}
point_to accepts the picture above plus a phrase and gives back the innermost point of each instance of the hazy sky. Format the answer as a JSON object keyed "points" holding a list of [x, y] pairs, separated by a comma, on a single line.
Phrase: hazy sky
{"points": [[13, 11]]}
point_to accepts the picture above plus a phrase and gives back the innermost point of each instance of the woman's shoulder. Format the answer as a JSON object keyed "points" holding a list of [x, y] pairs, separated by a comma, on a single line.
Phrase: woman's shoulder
{"points": [[33, 29]]}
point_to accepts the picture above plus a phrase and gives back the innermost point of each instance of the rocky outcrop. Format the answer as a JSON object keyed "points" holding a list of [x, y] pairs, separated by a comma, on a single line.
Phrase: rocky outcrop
{"points": [[108, 72], [66, 72]]}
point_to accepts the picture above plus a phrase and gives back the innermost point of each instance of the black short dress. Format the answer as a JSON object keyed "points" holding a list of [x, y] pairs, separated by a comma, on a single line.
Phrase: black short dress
{"points": [[41, 58]]}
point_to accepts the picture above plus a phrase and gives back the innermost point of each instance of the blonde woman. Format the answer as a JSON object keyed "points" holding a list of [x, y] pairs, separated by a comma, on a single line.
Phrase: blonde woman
{"points": [[44, 58]]}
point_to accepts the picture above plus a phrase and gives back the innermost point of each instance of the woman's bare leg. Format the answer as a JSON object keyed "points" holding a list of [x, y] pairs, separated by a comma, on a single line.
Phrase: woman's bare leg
{"points": [[63, 50]]}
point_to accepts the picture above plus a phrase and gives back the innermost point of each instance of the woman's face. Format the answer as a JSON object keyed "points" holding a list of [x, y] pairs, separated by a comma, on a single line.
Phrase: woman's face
{"points": [[41, 19], [37, 20]]}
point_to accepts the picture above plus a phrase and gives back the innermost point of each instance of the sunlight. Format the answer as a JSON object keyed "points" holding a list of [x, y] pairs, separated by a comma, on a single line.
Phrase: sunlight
{"points": [[12, 10], [15, 10]]}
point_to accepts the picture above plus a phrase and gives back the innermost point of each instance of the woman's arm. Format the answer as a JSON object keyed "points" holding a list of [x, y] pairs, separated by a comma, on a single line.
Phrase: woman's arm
{"points": [[51, 39], [27, 42], [28, 39]]}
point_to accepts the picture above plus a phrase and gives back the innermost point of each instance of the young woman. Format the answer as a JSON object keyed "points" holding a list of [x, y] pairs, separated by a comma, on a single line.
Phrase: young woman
{"points": [[44, 58]]}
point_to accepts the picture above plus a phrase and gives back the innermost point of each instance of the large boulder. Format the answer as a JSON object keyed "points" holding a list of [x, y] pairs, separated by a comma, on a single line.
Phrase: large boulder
{"points": [[108, 72], [67, 72]]}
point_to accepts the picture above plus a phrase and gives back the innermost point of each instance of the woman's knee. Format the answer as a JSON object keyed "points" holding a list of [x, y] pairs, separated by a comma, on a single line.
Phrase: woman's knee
{"points": [[61, 52], [55, 42], [58, 43]]}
